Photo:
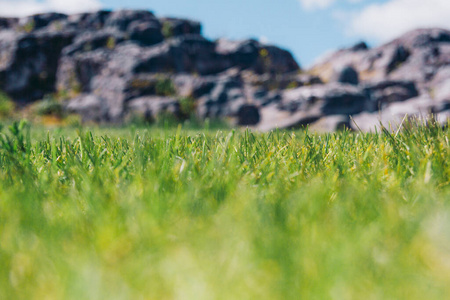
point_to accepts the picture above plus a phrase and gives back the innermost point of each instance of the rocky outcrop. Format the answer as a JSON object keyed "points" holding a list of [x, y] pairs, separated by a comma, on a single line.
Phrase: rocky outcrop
{"points": [[108, 64], [122, 65], [29, 62], [177, 27], [381, 93], [409, 75], [89, 107], [261, 59], [417, 56], [330, 99], [347, 75]]}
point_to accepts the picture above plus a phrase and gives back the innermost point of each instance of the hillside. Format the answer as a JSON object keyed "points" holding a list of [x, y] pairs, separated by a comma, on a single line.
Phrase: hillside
{"points": [[409, 75], [114, 67]]}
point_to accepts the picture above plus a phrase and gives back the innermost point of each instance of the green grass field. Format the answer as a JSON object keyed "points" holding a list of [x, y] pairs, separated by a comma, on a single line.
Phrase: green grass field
{"points": [[183, 214]]}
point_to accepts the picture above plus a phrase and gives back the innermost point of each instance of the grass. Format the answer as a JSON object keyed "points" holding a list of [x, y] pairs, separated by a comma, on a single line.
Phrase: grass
{"points": [[176, 214]]}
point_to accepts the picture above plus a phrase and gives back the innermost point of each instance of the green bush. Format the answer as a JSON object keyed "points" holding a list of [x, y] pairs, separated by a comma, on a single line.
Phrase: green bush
{"points": [[49, 106], [111, 43], [29, 27], [165, 87], [167, 30], [292, 85], [6, 106], [187, 106]]}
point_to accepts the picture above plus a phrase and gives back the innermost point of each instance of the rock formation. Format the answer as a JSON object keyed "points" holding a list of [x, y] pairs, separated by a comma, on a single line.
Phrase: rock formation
{"points": [[115, 66], [410, 75]]}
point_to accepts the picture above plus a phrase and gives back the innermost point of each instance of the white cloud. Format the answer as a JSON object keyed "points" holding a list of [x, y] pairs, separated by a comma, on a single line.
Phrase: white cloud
{"points": [[28, 7], [316, 4], [395, 17], [264, 40], [311, 5]]}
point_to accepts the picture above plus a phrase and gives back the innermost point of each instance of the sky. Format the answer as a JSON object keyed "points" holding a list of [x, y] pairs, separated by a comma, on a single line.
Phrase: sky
{"points": [[308, 28]]}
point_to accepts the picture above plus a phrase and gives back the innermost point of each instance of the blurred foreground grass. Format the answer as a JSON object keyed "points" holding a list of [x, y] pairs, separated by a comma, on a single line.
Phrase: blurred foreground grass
{"points": [[174, 214]]}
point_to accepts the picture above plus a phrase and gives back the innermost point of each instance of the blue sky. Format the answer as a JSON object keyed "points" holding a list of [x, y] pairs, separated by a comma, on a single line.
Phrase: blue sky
{"points": [[309, 28]]}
